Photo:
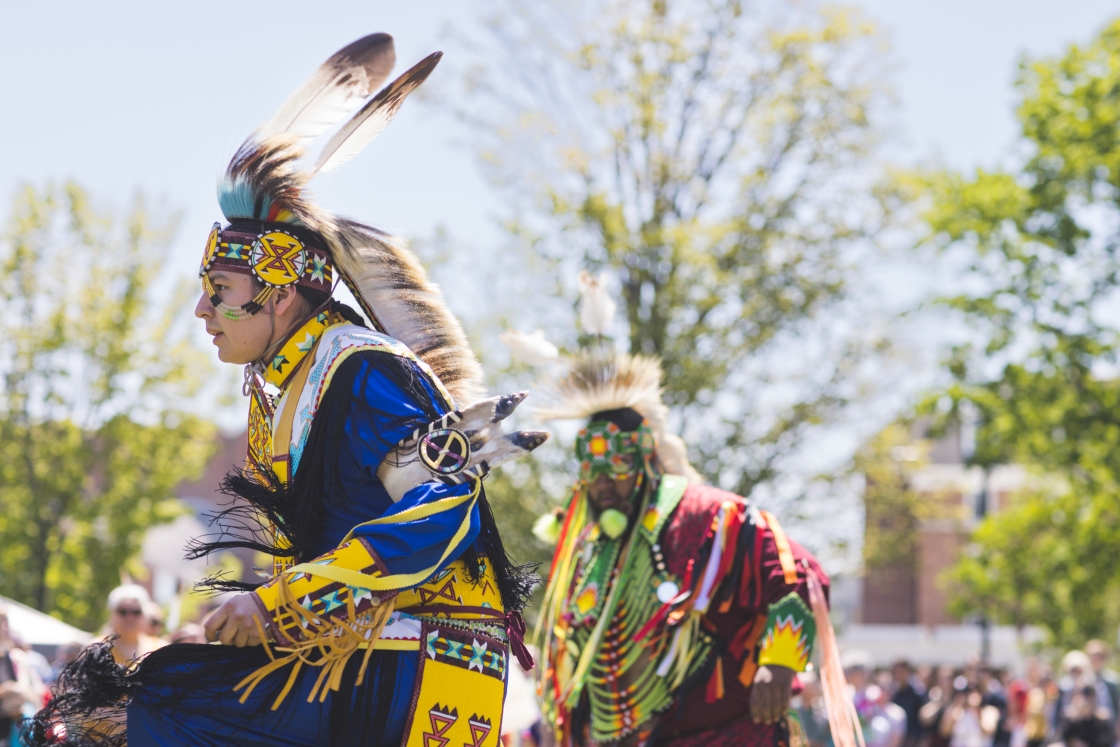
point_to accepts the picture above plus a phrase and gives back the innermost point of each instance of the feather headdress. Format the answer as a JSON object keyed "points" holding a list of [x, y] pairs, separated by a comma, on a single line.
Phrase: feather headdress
{"points": [[264, 183], [599, 379]]}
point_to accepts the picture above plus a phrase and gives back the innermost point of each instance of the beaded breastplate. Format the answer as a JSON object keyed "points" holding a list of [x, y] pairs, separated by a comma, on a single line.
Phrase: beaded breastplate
{"points": [[625, 684]]}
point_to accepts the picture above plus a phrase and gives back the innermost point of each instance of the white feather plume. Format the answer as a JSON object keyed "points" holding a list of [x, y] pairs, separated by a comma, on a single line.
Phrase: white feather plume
{"points": [[596, 307], [368, 123], [533, 348], [337, 87]]}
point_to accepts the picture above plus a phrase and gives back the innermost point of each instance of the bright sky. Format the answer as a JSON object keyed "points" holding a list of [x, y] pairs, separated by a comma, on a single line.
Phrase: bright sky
{"points": [[124, 96]]}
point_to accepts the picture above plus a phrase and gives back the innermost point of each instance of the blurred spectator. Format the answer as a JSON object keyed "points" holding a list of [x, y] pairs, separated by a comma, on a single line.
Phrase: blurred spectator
{"points": [[189, 633], [1108, 682], [65, 654], [32, 657], [883, 722], [809, 705], [1016, 718], [1084, 721], [1033, 718], [127, 621], [21, 689], [937, 703], [153, 615], [992, 694], [909, 694], [967, 722], [1077, 674]]}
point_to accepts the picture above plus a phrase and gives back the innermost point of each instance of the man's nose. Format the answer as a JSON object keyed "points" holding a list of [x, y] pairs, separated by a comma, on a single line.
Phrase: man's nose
{"points": [[203, 308], [602, 482]]}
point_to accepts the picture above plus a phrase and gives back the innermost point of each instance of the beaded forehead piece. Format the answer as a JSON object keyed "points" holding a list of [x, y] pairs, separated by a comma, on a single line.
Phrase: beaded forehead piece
{"points": [[602, 445], [276, 254]]}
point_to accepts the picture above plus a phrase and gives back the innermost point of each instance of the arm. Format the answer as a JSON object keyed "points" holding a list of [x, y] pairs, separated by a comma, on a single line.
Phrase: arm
{"points": [[787, 639], [423, 524], [424, 531]]}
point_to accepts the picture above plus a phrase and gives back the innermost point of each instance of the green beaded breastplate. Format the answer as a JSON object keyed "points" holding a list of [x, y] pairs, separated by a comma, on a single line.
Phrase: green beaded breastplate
{"points": [[623, 685]]}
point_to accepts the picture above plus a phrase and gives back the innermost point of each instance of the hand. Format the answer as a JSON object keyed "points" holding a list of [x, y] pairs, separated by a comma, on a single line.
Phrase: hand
{"points": [[233, 624], [770, 693], [11, 700]]}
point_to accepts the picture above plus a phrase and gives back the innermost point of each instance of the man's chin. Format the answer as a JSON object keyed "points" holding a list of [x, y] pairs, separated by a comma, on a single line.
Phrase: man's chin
{"points": [[623, 507], [226, 356]]}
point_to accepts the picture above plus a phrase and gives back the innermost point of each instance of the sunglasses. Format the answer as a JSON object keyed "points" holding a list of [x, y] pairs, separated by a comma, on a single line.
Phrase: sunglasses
{"points": [[128, 611]]}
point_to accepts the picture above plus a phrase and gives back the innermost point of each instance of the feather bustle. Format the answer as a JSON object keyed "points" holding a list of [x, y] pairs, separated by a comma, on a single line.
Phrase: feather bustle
{"points": [[410, 307]]}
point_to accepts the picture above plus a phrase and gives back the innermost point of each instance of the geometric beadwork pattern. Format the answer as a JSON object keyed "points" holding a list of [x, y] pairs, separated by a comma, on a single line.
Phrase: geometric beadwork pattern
{"points": [[278, 258], [466, 650], [442, 719], [458, 675], [480, 729], [260, 431]]}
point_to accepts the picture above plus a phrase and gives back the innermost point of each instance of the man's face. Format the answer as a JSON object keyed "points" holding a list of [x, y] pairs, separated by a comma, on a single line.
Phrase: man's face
{"points": [[610, 463], [1098, 657], [607, 491], [128, 617], [238, 341]]}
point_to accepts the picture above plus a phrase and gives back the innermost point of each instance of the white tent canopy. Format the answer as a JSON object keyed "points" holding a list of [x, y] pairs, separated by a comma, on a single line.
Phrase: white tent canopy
{"points": [[39, 629]]}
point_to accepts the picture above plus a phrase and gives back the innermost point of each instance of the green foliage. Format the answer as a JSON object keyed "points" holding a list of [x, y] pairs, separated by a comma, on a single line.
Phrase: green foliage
{"points": [[1044, 561], [893, 508], [1040, 247], [714, 159], [92, 443]]}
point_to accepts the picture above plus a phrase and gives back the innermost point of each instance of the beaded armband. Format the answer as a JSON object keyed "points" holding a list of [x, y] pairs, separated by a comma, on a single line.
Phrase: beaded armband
{"points": [[295, 600], [789, 633]]}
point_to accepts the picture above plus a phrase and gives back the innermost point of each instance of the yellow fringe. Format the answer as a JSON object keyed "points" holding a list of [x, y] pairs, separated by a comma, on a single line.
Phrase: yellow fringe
{"points": [[327, 644]]}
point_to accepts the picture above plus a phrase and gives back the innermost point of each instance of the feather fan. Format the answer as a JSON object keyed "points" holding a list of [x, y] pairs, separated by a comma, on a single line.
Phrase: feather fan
{"points": [[369, 122], [336, 88]]}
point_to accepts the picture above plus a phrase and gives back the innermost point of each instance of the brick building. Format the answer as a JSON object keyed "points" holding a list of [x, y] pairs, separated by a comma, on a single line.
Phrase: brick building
{"points": [[902, 612]]}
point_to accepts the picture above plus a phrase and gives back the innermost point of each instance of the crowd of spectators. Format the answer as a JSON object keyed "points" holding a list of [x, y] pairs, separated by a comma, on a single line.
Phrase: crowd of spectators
{"points": [[977, 706], [135, 622], [903, 706]]}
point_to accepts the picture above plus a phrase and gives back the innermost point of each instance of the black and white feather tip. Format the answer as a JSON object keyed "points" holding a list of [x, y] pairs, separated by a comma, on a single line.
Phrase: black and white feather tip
{"points": [[337, 87], [368, 123]]}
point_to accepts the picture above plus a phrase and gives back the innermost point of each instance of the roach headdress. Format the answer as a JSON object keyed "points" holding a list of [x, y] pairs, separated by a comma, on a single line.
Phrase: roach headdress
{"points": [[599, 379], [279, 236]]}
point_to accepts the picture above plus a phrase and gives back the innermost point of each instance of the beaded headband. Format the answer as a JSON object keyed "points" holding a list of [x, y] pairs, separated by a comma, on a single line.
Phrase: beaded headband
{"points": [[277, 254]]}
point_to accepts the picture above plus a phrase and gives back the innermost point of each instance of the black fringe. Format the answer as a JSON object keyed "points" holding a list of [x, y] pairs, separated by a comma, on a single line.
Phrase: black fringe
{"points": [[296, 509], [89, 690]]}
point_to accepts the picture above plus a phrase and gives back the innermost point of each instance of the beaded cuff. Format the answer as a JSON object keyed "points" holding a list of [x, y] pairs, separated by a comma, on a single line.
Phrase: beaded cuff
{"points": [[790, 630]]}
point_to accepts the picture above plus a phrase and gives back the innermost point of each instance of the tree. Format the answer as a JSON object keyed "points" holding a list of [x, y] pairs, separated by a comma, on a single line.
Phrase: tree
{"points": [[893, 508], [1038, 247], [715, 159], [91, 431]]}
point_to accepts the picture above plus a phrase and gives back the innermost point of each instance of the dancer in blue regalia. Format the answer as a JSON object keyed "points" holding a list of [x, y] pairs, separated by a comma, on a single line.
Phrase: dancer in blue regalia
{"points": [[391, 609]]}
